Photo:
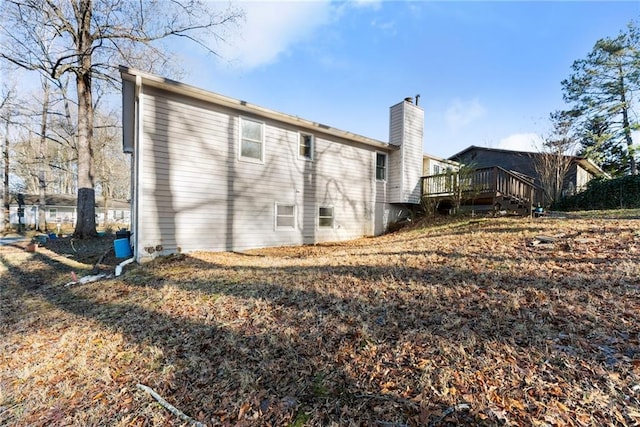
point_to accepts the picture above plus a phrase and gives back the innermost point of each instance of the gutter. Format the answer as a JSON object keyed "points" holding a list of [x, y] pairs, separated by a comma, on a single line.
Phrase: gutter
{"points": [[152, 80]]}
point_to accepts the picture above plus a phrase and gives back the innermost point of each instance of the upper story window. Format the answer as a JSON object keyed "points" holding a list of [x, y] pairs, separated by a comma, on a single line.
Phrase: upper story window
{"points": [[251, 140], [381, 166], [305, 150]]}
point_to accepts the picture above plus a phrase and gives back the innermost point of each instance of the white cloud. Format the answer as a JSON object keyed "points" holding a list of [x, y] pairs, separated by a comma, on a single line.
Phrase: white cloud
{"points": [[462, 112], [521, 142], [374, 4], [386, 26], [271, 28]]}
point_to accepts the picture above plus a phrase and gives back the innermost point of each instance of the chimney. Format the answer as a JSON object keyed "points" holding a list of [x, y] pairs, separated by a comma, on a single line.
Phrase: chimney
{"points": [[406, 129]]}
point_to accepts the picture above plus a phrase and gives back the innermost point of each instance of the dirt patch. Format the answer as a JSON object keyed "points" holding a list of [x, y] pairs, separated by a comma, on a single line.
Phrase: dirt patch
{"points": [[96, 252]]}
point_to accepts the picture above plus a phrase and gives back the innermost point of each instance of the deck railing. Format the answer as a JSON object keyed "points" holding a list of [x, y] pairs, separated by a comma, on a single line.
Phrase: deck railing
{"points": [[481, 182]]}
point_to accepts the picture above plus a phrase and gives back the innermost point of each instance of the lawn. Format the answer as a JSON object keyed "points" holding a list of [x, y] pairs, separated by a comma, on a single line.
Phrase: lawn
{"points": [[474, 322]]}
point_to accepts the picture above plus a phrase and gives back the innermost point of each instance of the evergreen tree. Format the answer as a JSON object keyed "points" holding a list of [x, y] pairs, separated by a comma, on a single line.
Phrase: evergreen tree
{"points": [[601, 92]]}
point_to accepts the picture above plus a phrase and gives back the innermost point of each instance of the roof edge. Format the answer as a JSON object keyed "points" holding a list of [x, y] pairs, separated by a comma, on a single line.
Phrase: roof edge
{"points": [[585, 162], [153, 80]]}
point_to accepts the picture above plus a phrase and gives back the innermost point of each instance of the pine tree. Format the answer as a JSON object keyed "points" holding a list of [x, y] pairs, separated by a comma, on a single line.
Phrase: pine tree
{"points": [[601, 92]]}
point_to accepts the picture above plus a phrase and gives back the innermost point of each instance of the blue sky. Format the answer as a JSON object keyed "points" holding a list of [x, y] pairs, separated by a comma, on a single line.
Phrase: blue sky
{"points": [[488, 73]]}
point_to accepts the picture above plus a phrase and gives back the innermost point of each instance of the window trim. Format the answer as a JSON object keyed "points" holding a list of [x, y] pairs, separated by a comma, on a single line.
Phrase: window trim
{"points": [[384, 167], [248, 159], [333, 216], [276, 216], [311, 148]]}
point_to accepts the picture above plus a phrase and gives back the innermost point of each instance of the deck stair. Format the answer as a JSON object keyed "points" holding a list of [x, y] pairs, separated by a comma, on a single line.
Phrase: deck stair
{"points": [[492, 188]]}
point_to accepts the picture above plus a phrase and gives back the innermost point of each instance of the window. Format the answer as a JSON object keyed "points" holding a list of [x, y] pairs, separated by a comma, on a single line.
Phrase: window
{"points": [[436, 169], [285, 216], [381, 166], [53, 213], [325, 216], [306, 146], [251, 139]]}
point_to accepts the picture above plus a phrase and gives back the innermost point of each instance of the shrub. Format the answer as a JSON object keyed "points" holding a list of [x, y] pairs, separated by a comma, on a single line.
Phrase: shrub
{"points": [[618, 193]]}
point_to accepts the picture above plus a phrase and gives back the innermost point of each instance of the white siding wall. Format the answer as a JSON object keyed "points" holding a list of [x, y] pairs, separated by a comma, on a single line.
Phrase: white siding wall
{"points": [[396, 136], [406, 125], [195, 194], [582, 179], [412, 153]]}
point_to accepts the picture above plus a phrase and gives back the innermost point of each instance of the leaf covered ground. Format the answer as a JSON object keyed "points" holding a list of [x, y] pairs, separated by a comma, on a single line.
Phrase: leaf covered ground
{"points": [[484, 322]]}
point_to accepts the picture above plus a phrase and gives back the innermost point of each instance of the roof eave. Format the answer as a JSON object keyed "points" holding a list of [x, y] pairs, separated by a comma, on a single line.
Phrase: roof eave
{"points": [[245, 107]]}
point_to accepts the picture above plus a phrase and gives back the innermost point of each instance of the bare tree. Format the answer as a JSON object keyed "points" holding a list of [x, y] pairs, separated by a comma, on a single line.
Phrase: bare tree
{"points": [[42, 156], [90, 38], [555, 157], [465, 188], [112, 164], [7, 117]]}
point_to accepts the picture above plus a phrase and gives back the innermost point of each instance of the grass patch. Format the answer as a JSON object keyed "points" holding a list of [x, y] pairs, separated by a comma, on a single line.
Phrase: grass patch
{"points": [[608, 213]]}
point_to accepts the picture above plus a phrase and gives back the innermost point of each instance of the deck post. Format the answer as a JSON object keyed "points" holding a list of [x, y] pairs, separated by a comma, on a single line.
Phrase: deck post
{"points": [[531, 190]]}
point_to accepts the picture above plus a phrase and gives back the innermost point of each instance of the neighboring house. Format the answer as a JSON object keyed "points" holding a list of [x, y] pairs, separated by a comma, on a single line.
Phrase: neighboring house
{"points": [[61, 209], [216, 173], [433, 165], [441, 170], [580, 172]]}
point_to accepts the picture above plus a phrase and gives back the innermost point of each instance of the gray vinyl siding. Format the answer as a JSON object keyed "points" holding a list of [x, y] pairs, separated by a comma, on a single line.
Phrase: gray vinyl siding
{"points": [[396, 128], [381, 214], [518, 161], [396, 136], [128, 116], [406, 131], [412, 153], [196, 194]]}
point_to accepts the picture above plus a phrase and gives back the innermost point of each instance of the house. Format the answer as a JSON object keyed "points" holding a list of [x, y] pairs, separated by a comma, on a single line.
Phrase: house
{"points": [[434, 165], [500, 180], [62, 208], [581, 170], [211, 172], [441, 170]]}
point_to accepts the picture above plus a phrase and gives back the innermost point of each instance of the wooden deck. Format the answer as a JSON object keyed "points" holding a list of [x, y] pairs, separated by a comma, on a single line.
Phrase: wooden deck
{"points": [[489, 188]]}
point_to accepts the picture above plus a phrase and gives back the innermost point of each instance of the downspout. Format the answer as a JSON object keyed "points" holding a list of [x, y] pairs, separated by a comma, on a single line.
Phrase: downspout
{"points": [[136, 206]]}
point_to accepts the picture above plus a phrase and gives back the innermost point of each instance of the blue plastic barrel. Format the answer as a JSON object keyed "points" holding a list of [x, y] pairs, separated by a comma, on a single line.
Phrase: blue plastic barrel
{"points": [[122, 248]]}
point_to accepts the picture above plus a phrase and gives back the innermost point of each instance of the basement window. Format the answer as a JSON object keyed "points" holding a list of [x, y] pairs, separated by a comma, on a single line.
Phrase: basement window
{"points": [[285, 216], [325, 216]]}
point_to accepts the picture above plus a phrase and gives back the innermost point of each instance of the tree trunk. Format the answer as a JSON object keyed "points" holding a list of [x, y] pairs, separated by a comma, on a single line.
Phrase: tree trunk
{"points": [[629, 141], [86, 220], [5, 182], [42, 160], [626, 127]]}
